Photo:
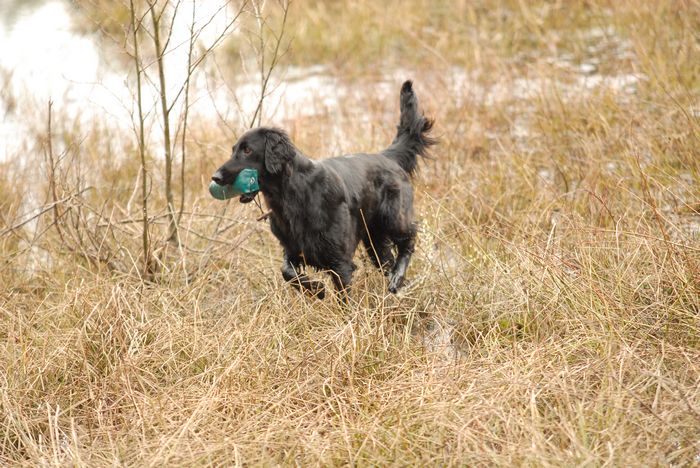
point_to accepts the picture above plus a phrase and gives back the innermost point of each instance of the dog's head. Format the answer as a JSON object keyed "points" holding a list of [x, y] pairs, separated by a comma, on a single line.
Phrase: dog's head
{"points": [[267, 150]]}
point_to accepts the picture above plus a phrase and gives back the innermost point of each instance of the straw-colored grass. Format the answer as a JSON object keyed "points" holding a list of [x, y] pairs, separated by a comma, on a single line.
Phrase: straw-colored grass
{"points": [[552, 315]]}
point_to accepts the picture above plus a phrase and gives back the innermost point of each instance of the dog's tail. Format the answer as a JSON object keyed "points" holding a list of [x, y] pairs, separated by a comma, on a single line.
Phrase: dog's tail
{"points": [[412, 137]]}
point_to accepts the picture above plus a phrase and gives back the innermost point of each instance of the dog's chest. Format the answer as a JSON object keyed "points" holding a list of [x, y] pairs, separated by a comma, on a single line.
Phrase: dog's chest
{"points": [[304, 237]]}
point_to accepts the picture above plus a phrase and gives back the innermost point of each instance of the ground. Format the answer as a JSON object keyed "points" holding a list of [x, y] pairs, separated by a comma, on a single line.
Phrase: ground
{"points": [[551, 315]]}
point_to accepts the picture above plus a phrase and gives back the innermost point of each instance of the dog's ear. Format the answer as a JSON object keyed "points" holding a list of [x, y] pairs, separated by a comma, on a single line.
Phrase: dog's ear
{"points": [[279, 150]]}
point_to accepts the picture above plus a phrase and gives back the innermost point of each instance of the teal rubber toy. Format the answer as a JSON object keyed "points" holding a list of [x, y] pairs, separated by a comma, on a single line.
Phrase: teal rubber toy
{"points": [[245, 183]]}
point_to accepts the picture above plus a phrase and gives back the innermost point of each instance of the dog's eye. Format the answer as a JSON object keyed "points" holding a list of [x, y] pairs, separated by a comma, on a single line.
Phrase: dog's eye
{"points": [[247, 150]]}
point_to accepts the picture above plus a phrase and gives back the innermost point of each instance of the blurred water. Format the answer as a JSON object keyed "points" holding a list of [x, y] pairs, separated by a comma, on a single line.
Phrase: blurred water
{"points": [[42, 59]]}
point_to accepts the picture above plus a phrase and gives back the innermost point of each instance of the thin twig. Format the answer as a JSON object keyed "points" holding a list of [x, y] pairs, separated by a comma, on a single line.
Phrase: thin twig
{"points": [[43, 210], [167, 146], [142, 150]]}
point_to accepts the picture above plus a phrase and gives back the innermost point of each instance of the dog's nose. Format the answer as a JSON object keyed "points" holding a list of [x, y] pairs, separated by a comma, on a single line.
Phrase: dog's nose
{"points": [[218, 178]]}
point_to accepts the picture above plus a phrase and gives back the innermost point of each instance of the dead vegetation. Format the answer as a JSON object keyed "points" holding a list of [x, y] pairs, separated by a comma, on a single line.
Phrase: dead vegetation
{"points": [[552, 315]]}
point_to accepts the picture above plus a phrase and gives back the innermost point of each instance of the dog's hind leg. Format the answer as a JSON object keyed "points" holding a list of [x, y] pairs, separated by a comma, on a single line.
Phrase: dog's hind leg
{"points": [[405, 247], [396, 212], [291, 274]]}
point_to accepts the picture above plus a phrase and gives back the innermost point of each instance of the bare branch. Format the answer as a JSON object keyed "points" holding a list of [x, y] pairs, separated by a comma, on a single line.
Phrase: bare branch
{"points": [[147, 270], [266, 74], [172, 22], [185, 114], [155, 20]]}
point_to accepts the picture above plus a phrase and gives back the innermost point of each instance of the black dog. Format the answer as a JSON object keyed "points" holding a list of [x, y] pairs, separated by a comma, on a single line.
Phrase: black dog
{"points": [[320, 210]]}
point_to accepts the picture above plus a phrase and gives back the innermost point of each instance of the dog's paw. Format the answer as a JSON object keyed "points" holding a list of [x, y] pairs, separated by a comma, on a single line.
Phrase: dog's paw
{"points": [[316, 289], [395, 283]]}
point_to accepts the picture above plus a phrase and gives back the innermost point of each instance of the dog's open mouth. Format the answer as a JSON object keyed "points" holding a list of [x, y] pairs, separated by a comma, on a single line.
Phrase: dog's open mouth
{"points": [[248, 197]]}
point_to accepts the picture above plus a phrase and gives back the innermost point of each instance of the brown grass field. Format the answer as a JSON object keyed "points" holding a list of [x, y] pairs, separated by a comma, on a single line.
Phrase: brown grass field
{"points": [[552, 312]]}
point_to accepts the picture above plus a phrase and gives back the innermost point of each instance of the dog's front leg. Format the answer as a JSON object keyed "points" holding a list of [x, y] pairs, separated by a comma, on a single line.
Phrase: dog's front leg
{"points": [[342, 277], [291, 274]]}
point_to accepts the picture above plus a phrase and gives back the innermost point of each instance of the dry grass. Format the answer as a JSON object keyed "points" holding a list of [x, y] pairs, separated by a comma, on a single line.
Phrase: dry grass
{"points": [[552, 315]]}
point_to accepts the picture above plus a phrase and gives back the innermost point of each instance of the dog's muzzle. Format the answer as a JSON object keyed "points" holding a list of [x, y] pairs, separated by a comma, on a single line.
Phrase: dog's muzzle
{"points": [[218, 177], [245, 184]]}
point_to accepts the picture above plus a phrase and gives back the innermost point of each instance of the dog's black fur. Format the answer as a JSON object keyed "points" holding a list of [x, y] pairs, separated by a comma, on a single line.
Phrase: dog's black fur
{"points": [[321, 210]]}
